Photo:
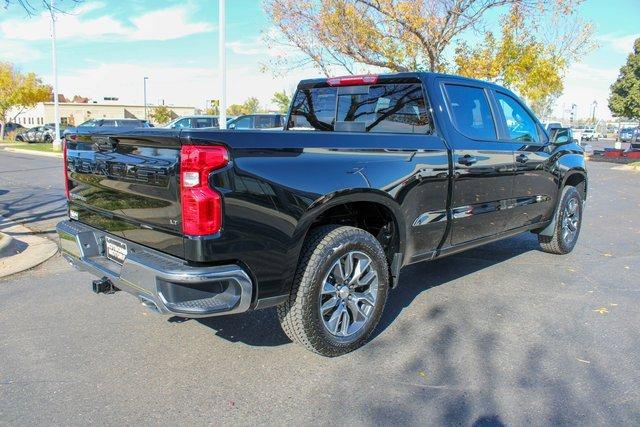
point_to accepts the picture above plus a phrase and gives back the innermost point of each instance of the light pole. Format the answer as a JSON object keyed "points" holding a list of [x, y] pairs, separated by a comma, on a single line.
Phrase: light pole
{"points": [[593, 111], [222, 119], [144, 84], [57, 145]]}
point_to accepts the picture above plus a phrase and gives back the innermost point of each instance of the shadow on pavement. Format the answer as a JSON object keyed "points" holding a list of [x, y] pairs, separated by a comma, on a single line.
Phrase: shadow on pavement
{"points": [[261, 327]]}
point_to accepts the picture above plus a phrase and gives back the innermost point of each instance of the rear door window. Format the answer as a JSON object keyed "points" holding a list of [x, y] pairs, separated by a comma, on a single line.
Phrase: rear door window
{"points": [[470, 111]]}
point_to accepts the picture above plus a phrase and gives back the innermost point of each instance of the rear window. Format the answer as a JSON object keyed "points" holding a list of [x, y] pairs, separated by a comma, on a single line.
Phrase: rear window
{"points": [[384, 108]]}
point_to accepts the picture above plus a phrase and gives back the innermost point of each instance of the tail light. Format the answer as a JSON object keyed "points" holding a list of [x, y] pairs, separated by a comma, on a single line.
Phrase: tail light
{"points": [[65, 168], [201, 205], [368, 79]]}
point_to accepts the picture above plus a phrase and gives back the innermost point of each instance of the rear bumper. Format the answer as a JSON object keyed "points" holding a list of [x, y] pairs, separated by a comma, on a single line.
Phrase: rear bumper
{"points": [[160, 281]]}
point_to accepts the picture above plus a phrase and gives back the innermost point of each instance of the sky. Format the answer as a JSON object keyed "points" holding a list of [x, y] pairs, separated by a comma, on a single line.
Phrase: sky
{"points": [[106, 48]]}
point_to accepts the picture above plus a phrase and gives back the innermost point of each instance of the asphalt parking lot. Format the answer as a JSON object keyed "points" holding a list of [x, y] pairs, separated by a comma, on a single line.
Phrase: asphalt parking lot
{"points": [[503, 334]]}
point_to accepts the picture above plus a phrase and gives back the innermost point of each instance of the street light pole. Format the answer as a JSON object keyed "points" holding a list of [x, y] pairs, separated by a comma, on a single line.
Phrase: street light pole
{"points": [[145, 96], [222, 119], [57, 144]]}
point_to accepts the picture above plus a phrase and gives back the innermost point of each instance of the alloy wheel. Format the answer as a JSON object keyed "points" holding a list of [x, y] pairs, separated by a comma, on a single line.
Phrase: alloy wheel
{"points": [[349, 293]]}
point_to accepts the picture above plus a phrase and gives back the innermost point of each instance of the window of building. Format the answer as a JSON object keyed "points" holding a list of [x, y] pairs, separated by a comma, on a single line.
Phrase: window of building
{"points": [[471, 112]]}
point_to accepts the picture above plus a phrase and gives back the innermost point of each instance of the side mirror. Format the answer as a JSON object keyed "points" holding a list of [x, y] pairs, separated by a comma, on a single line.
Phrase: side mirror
{"points": [[562, 139], [231, 126]]}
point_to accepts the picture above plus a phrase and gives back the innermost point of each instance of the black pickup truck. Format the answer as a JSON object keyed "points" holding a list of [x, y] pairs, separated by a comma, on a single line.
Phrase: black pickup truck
{"points": [[370, 174]]}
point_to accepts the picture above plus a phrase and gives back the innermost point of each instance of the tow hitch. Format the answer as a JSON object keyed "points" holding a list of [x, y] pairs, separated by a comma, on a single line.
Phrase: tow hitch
{"points": [[104, 286]]}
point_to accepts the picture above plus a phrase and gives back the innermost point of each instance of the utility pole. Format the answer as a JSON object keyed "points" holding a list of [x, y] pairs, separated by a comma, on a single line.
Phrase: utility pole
{"points": [[144, 84], [222, 119], [593, 111], [57, 144]]}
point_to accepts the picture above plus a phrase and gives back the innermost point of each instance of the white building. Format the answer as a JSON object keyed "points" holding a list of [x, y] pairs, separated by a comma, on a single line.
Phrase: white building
{"points": [[75, 113]]}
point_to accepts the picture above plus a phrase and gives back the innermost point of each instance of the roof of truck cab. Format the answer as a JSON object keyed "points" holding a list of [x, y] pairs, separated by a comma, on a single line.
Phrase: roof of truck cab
{"points": [[422, 75]]}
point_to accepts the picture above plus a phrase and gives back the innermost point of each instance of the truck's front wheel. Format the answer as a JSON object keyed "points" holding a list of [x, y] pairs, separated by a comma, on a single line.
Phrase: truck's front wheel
{"points": [[568, 222], [339, 291]]}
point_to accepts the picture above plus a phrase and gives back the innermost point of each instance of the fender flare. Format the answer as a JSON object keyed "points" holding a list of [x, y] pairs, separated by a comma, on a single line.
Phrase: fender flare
{"points": [[549, 229]]}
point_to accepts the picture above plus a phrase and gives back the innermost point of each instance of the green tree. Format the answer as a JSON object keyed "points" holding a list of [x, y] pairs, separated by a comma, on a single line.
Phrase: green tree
{"points": [[250, 106], [624, 100], [18, 92], [282, 100], [162, 114], [522, 58], [214, 108]]}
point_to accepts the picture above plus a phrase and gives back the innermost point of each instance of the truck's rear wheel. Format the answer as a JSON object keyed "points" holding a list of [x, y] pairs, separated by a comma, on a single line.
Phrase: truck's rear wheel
{"points": [[339, 291], [568, 222]]}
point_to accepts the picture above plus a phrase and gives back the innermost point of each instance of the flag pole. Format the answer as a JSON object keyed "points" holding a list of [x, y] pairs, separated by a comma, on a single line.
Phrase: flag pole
{"points": [[57, 145], [222, 65]]}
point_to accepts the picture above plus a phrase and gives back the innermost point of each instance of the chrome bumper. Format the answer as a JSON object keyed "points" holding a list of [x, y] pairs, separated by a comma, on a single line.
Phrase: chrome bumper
{"points": [[160, 281]]}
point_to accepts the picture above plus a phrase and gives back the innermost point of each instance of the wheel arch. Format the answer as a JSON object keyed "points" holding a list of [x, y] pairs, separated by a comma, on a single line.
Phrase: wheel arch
{"points": [[369, 209]]}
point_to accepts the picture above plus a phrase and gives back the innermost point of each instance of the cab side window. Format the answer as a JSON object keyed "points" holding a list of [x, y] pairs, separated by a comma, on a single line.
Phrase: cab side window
{"points": [[471, 112], [519, 123]]}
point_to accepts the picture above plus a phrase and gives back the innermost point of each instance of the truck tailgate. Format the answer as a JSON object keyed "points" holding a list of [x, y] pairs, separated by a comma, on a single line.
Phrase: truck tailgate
{"points": [[127, 185]]}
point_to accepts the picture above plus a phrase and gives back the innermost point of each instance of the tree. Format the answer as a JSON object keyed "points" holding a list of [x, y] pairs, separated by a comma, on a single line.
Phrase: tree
{"points": [[250, 106], [624, 100], [522, 58], [31, 7], [162, 115], [214, 108], [18, 91], [282, 100], [397, 35]]}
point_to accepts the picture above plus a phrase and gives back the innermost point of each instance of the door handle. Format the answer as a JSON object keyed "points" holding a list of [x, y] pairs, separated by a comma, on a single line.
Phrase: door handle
{"points": [[467, 160], [522, 158]]}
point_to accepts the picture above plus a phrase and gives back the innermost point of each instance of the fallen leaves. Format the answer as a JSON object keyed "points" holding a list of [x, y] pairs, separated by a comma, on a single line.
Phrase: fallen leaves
{"points": [[601, 310], [583, 361]]}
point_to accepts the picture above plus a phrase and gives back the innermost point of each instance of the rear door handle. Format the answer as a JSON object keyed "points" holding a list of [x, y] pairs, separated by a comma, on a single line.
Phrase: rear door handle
{"points": [[522, 158], [467, 160]]}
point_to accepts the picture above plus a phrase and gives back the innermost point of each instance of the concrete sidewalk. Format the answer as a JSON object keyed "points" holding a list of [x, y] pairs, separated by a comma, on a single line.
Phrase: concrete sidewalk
{"points": [[21, 249]]}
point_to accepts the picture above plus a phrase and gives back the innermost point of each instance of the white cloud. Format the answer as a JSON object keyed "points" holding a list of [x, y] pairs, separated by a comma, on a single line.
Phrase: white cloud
{"points": [[619, 43], [176, 85], [17, 52], [583, 85], [165, 24]]}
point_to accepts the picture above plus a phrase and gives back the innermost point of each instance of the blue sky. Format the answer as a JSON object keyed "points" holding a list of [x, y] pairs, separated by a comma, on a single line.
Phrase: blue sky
{"points": [[106, 48]]}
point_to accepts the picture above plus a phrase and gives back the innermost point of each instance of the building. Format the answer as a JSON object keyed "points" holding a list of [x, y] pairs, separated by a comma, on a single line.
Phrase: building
{"points": [[75, 113]]}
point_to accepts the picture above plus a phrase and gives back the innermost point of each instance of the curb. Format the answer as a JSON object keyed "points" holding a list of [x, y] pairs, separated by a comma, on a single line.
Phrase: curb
{"points": [[33, 152], [24, 251], [5, 242]]}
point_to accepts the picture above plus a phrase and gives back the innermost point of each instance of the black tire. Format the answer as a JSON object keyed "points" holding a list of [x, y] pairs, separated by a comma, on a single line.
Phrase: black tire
{"points": [[564, 239], [48, 139], [300, 316]]}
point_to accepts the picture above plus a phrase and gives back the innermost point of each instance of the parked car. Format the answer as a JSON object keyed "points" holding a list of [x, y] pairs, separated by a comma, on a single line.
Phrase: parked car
{"points": [[194, 122], [12, 127], [369, 175], [627, 134], [27, 135], [257, 121], [589, 134], [103, 125], [577, 132]]}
